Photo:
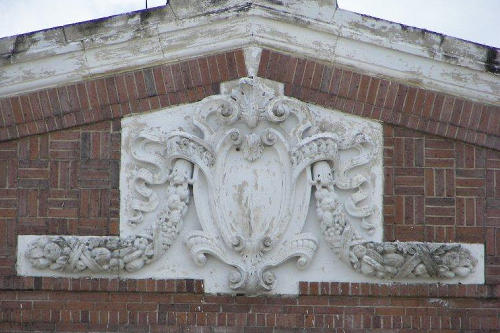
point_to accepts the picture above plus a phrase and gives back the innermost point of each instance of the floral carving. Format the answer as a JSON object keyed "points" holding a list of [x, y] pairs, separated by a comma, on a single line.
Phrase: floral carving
{"points": [[95, 254], [383, 260]]}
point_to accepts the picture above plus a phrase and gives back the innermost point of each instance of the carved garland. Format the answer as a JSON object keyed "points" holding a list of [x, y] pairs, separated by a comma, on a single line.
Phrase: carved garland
{"points": [[384, 260], [114, 254]]}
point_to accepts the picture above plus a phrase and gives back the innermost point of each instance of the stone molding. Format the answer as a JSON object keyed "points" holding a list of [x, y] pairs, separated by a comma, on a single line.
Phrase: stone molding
{"points": [[69, 54]]}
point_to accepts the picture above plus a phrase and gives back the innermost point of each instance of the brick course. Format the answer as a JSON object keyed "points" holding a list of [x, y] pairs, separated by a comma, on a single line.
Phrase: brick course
{"points": [[59, 171], [153, 306]]}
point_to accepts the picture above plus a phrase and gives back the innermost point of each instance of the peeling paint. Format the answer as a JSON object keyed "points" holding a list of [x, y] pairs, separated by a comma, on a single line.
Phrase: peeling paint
{"points": [[439, 301], [492, 63], [311, 28]]}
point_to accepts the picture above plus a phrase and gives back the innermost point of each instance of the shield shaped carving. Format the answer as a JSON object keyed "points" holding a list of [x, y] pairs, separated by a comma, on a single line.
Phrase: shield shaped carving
{"points": [[253, 196]]}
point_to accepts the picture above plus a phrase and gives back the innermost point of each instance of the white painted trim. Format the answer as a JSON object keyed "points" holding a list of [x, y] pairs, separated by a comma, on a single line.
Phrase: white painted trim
{"points": [[69, 54]]}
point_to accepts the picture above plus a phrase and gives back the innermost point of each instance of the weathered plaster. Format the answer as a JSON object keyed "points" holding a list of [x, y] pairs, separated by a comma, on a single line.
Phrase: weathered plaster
{"points": [[252, 60], [313, 28]]}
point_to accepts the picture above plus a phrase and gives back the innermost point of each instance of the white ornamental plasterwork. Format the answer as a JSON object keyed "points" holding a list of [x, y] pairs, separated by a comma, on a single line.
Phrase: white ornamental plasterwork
{"points": [[249, 161]]}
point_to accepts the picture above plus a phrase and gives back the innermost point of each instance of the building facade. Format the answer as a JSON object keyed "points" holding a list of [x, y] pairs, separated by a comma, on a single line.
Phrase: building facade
{"points": [[248, 166]]}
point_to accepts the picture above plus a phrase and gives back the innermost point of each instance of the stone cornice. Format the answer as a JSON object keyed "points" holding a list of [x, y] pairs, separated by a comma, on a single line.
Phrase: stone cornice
{"points": [[76, 52]]}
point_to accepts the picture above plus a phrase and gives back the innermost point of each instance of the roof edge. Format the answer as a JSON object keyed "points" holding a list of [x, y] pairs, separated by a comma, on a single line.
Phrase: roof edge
{"points": [[78, 51]]}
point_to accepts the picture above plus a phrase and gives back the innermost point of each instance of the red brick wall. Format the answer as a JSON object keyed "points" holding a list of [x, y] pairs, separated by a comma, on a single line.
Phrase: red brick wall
{"points": [[59, 166], [118, 95], [153, 306]]}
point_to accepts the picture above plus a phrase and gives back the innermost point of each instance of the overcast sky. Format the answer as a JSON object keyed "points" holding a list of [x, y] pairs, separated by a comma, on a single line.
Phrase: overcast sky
{"points": [[475, 20]]}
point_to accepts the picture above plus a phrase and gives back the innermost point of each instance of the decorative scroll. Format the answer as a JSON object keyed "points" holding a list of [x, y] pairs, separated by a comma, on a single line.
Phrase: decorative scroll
{"points": [[191, 148], [247, 218], [153, 172]]}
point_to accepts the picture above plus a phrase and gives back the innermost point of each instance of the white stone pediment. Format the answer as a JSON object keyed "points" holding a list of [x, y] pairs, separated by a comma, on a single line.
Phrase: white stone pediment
{"points": [[252, 192]]}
